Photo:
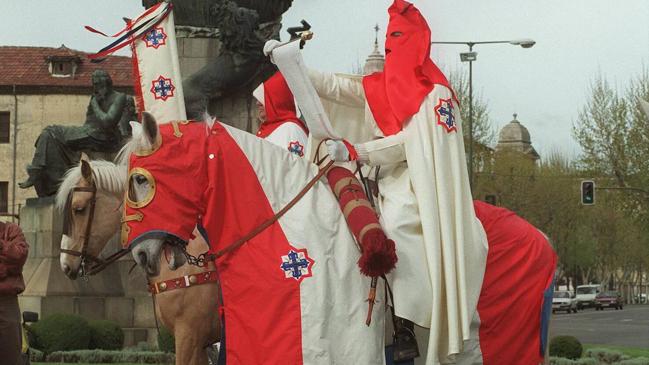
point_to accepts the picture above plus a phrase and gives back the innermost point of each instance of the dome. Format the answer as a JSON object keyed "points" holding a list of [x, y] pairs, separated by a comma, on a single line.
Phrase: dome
{"points": [[375, 61], [514, 132], [515, 137]]}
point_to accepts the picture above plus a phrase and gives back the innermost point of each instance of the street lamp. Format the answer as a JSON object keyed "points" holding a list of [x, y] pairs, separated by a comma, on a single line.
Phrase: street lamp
{"points": [[470, 57]]}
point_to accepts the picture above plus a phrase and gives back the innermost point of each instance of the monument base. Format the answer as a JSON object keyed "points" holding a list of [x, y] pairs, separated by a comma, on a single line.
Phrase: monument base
{"points": [[112, 294]]}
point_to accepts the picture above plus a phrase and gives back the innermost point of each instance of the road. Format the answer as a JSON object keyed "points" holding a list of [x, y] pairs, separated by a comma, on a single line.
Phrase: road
{"points": [[628, 327]]}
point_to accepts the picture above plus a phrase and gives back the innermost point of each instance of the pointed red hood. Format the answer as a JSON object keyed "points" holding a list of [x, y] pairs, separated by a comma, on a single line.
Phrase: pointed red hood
{"points": [[396, 94], [280, 106]]}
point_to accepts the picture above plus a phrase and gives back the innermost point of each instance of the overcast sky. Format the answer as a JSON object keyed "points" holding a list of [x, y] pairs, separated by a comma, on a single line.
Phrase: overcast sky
{"points": [[546, 85]]}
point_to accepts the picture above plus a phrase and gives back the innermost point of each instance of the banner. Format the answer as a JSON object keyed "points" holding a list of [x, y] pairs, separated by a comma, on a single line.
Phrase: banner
{"points": [[156, 70]]}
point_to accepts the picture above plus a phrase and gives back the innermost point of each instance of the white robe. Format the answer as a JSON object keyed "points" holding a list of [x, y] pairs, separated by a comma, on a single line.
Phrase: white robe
{"points": [[291, 137], [426, 208]]}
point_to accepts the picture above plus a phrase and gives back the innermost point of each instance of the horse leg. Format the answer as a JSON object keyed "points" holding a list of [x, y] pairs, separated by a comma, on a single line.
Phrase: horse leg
{"points": [[190, 344]]}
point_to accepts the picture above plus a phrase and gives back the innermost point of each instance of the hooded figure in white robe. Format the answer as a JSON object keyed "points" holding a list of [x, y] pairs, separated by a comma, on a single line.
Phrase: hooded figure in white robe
{"points": [[413, 120], [280, 123]]}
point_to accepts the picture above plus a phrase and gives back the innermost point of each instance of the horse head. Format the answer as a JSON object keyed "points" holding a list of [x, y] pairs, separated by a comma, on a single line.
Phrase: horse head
{"points": [[166, 183], [90, 219]]}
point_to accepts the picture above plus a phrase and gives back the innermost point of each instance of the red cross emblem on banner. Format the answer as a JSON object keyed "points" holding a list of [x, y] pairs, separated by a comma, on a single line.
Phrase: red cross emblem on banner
{"points": [[155, 38], [162, 88]]}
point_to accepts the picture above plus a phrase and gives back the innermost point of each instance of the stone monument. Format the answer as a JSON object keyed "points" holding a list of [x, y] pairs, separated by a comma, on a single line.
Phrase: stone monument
{"points": [[220, 46], [58, 148]]}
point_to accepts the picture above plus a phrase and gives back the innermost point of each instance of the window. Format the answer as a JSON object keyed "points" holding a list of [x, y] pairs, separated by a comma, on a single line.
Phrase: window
{"points": [[62, 68], [5, 125], [4, 196]]}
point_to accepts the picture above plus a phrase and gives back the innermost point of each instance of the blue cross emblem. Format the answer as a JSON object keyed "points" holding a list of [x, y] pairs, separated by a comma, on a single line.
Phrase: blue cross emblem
{"points": [[296, 148], [155, 38], [296, 264], [445, 117], [162, 88]]}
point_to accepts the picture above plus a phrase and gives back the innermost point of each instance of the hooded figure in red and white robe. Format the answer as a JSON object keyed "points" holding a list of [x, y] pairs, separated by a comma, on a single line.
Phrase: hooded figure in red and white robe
{"points": [[280, 123], [413, 122]]}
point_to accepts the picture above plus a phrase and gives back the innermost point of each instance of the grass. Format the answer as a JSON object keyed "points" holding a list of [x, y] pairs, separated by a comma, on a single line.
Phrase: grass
{"points": [[631, 351]]}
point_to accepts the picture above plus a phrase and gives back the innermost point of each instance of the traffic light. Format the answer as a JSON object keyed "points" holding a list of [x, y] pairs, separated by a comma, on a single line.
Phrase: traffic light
{"points": [[587, 192]]}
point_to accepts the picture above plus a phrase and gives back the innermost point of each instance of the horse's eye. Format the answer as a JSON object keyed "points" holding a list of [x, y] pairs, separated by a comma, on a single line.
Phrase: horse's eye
{"points": [[140, 179], [79, 210], [396, 34]]}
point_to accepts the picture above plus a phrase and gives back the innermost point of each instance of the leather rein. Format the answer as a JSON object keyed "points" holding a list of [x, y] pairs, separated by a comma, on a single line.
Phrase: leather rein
{"points": [[98, 264], [203, 258]]}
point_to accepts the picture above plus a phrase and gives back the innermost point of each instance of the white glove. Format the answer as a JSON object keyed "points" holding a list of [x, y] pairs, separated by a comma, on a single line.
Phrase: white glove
{"points": [[337, 150], [269, 47]]}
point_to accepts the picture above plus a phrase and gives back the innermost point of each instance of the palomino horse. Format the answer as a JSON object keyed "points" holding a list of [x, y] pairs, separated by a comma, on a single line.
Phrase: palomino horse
{"points": [[194, 329], [292, 294], [186, 173]]}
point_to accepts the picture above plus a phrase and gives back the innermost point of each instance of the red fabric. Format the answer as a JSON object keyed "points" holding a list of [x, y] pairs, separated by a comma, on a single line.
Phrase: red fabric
{"points": [[171, 170], [353, 155], [280, 106], [396, 94], [520, 266], [13, 254], [253, 285], [379, 255]]}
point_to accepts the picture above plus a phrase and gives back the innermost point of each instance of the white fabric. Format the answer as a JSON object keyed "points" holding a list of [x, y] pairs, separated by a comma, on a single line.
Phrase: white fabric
{"points": [[427, 209], [334, 301], [153, 62], [288, 134], [337, 151], [289, 60], [258, 94]]}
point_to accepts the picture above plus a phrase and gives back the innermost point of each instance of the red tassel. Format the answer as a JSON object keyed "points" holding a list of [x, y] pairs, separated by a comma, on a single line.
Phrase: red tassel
{"points": [[379, 255]]}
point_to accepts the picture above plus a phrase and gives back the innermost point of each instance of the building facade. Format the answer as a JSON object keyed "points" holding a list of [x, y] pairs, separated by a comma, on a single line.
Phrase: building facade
{"points": [[41, 86]]}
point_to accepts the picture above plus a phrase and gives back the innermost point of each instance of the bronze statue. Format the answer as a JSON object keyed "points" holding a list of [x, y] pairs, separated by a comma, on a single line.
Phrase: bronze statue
{"points": [[244, 27], [58, 148]]}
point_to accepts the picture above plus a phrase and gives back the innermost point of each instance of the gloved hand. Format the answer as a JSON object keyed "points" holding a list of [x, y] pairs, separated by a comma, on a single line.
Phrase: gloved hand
{"points": [[337, 150], [269, 47]]}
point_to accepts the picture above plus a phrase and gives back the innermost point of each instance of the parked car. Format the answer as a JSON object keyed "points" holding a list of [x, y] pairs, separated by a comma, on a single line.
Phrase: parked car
{"points": [[608, 299], [564, 301], [640, 298], [586, 295]]}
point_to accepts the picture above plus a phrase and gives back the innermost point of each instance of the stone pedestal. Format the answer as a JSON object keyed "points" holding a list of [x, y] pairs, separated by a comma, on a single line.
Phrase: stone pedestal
{"points": [[197, 47], [112, 294]]}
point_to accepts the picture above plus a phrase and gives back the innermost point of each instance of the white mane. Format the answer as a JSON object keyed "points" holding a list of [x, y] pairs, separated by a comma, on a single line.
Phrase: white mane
{"points": [[109, 177]]}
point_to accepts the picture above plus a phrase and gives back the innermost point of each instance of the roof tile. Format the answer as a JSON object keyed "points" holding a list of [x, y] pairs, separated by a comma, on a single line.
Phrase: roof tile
{"points": [[28, 66]]}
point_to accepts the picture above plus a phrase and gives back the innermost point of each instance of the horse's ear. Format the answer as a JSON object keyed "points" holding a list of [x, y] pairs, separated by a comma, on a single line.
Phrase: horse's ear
{"points": [[84, 157], [86, 170], [150, 127]]}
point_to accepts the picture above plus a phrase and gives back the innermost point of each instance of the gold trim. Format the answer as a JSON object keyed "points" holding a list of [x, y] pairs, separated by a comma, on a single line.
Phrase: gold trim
{"points": [[125, 232], [353, 204], [345, 182], [149, 197], [133, 217], [176, 127], [143, 152], [366, 229]]}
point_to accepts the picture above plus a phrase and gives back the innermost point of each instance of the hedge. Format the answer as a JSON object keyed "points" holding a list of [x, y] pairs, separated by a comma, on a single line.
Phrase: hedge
{"points": [[566, 346], [106, 335], [166, 340], [61, 332], [109, 357]]}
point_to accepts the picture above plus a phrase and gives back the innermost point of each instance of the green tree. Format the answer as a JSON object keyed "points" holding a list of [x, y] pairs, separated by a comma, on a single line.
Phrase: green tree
{"points": [[603, 132], [483, 131]]}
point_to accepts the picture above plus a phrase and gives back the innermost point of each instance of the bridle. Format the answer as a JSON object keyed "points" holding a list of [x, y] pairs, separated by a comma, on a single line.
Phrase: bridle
{"points": [[98, 264]]}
